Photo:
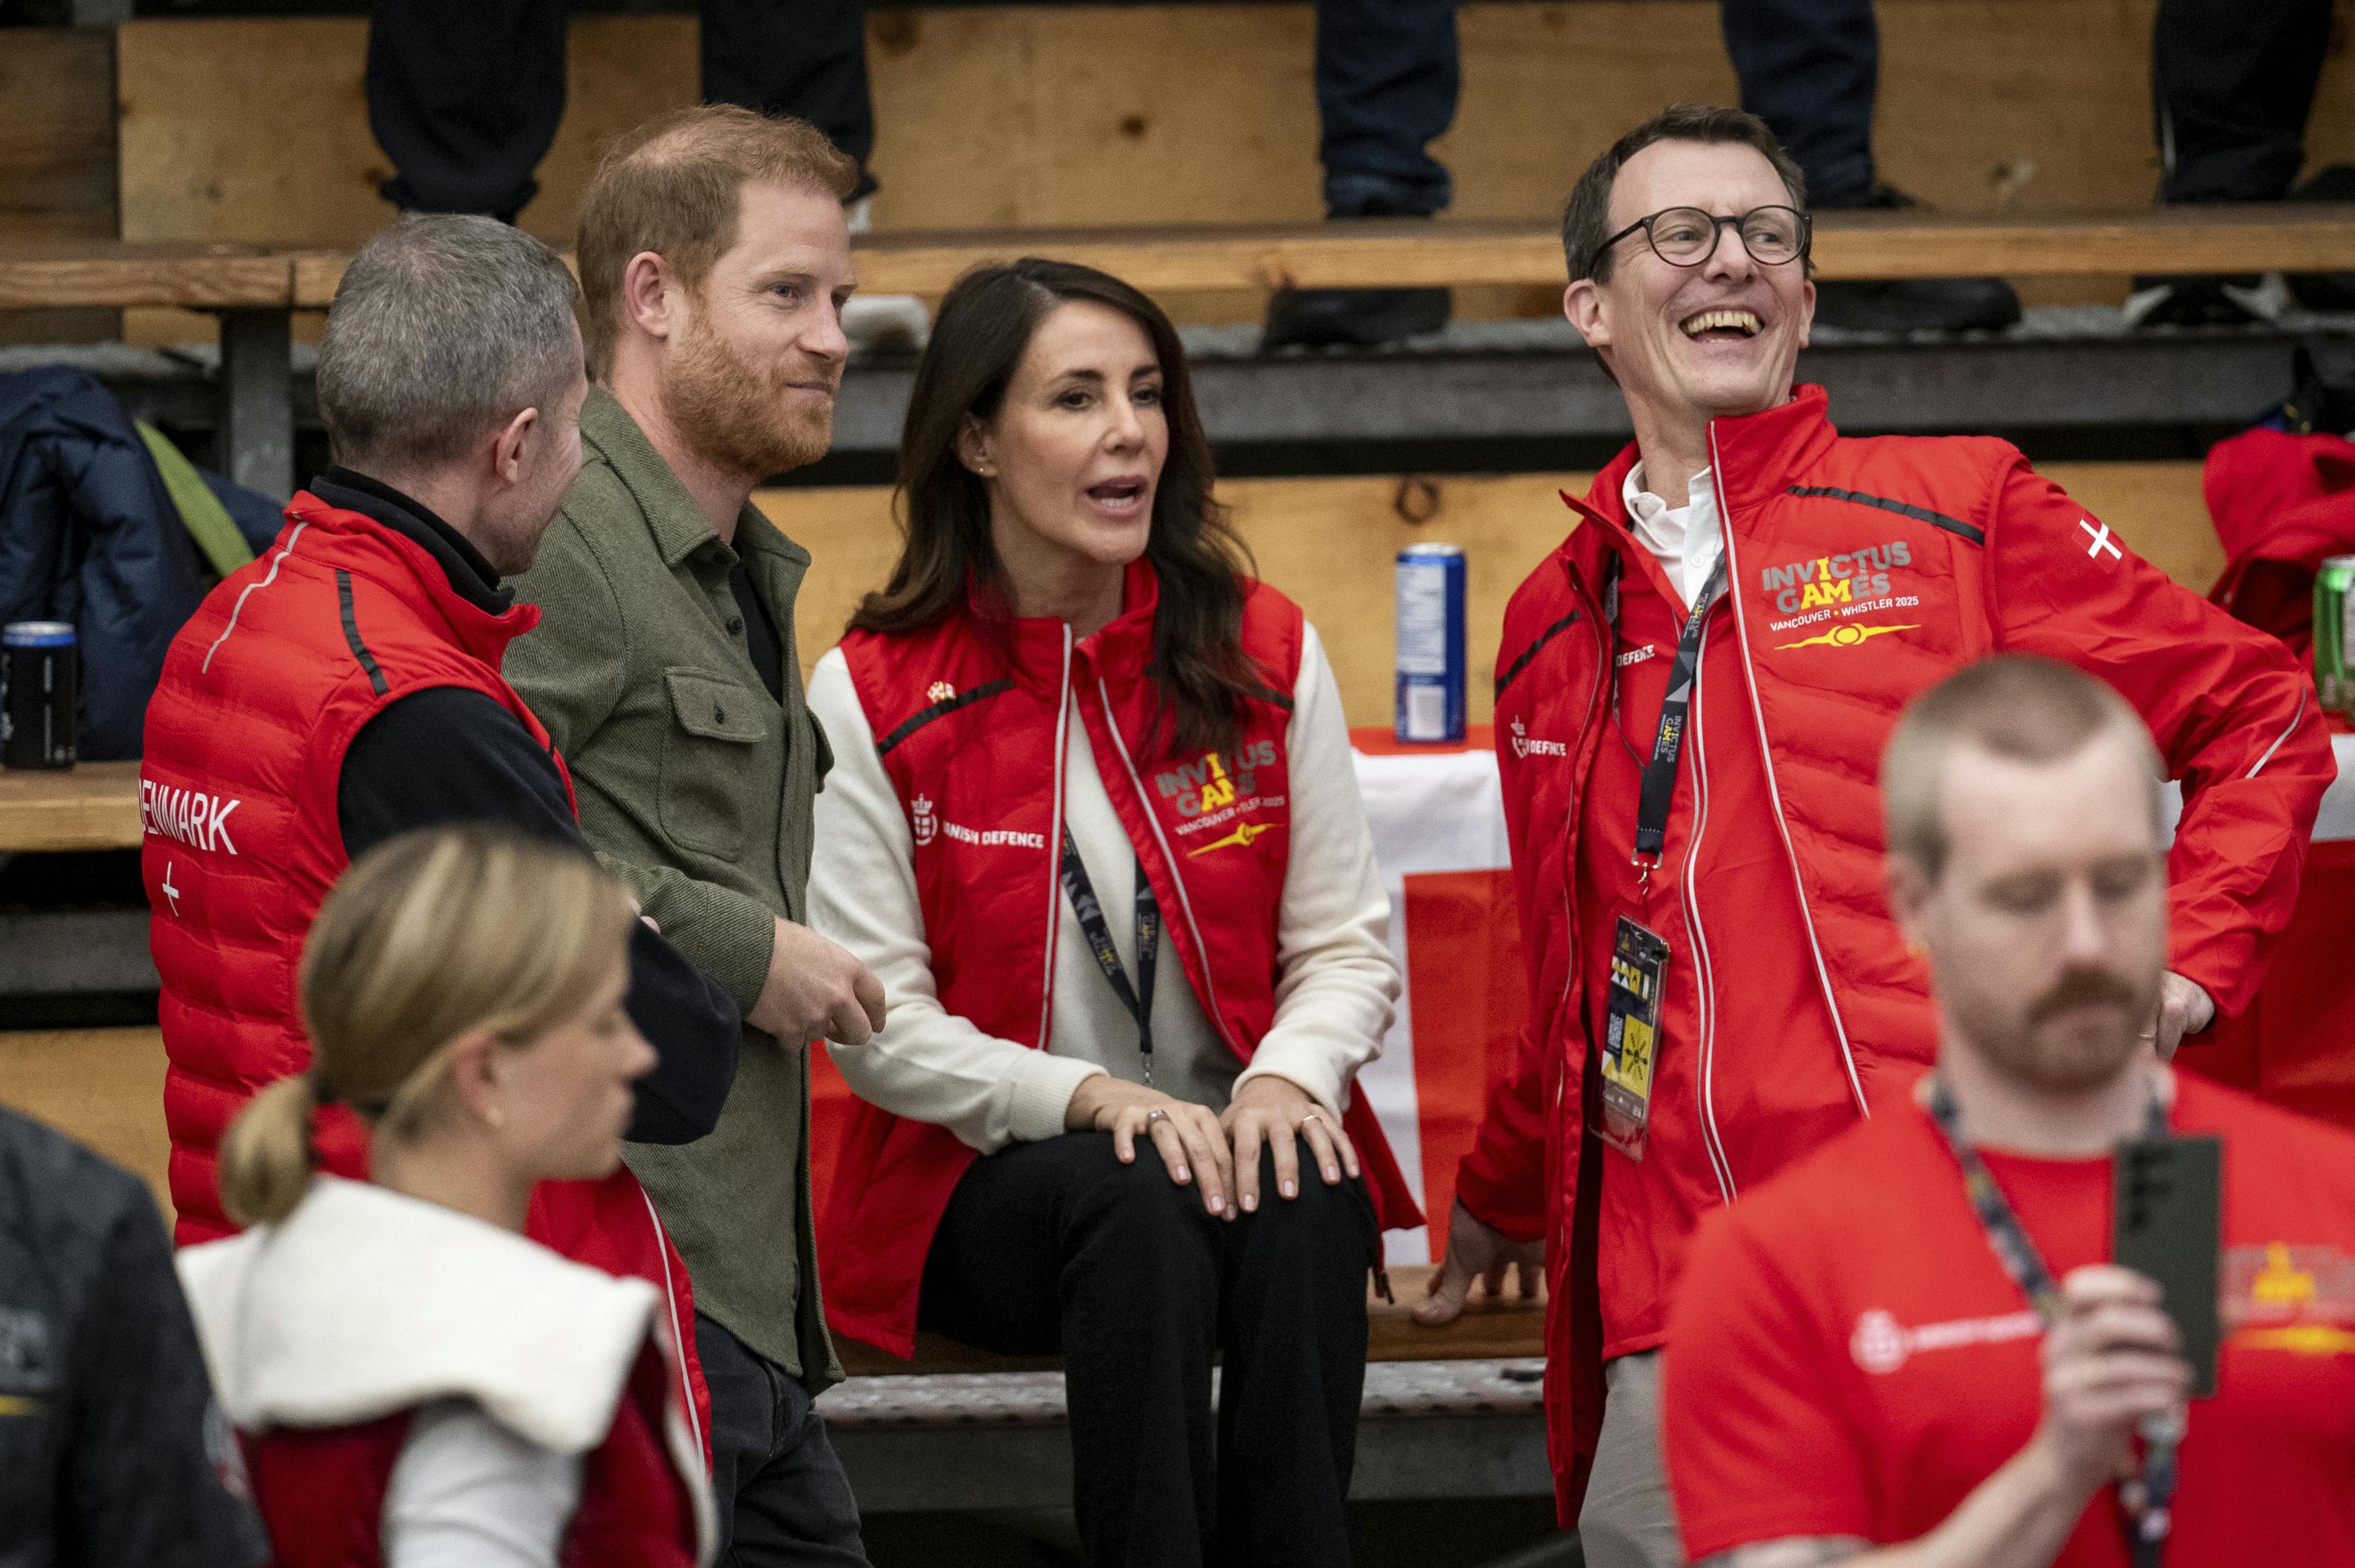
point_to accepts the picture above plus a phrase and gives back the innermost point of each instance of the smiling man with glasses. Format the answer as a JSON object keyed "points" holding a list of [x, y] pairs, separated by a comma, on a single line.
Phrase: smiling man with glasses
{"points": [[1691, 696]]}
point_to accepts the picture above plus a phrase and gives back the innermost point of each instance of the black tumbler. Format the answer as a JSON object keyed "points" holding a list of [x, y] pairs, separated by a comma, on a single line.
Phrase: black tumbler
{"points": [[40, 693]]}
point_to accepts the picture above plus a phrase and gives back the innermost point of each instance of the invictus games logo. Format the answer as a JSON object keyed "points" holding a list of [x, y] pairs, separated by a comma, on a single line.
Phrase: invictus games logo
{"points": [[1849, 578], [927, 826], [1215, 781]]}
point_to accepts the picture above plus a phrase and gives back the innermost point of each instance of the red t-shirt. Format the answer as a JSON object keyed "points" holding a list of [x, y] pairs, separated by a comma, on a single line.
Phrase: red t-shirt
{"points": [[1847, 1357]]}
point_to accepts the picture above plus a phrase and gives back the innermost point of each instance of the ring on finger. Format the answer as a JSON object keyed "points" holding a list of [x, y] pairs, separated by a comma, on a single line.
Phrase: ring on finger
{"points": [[1302, 1125], [1153, 1116]]}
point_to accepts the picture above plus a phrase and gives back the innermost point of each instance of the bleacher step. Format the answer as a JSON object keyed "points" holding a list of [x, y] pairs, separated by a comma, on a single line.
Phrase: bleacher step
{"points": [[1426, 1429]]}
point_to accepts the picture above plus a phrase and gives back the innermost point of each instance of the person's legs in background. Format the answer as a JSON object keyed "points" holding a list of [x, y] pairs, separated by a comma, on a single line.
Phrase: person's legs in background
{"points": [[1811, 69], [783, 1498], [1293, 1324], [808, 58], [802, 58], [2231, 85], [465, 97], [1059, 1247], [1387, 78]]}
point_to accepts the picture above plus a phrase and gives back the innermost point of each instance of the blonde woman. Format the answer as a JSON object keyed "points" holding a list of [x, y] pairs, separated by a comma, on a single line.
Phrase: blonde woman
{"points": [[413, 1382]]}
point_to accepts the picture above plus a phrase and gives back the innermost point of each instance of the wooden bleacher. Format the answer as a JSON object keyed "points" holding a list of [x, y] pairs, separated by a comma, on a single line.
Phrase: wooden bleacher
{"points": [[92, 806], [258, 290]]}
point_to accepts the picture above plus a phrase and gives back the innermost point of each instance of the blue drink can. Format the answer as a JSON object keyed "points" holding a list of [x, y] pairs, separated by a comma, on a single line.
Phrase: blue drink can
{"points": [[1431, 643], [41, 695]]}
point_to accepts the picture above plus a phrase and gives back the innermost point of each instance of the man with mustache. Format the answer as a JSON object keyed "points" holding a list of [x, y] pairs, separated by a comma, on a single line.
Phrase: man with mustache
{"points": [[714, 264], [1689, 694], [1912, 1348]]}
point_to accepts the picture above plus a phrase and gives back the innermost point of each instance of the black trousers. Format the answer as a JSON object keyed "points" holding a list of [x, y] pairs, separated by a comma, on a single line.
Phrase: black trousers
{"points": [[1057, 1246], [783, 1498], [2231, 82], [464, 96], [1387, 73], [1811, 69]]}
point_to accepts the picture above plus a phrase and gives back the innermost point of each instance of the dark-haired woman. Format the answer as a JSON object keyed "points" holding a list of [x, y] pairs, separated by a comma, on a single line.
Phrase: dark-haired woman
{"points": [[1094, 824]]}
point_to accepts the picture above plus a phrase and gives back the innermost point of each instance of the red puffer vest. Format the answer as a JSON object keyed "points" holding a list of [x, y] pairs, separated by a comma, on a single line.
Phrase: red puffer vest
{"points": [[261, 696], [971, 729], [321, 1492]]}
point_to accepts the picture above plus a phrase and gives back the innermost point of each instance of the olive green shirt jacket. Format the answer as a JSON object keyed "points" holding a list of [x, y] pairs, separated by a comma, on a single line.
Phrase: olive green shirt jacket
{"points": [[696, 787]]}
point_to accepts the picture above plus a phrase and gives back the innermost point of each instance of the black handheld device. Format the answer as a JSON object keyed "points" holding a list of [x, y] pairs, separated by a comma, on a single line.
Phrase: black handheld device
{"points": [[2169, 1225]]}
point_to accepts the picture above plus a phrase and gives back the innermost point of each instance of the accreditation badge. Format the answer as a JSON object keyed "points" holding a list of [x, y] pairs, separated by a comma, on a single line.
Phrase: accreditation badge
{"points": [[1630, 1035]]}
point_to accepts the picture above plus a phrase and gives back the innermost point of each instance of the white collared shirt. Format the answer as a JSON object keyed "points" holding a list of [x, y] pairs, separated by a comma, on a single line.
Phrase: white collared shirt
{"points": [[1686, 540]]}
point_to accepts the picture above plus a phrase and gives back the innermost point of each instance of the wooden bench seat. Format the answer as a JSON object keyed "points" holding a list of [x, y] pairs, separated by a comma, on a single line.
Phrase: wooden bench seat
{"points": [[91, 806], [1488, 1330], [955, 1441], [1407, 254], [255, 288], [97, 273]]}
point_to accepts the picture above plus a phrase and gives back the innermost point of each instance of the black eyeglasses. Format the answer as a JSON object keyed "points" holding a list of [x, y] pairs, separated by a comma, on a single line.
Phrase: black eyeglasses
{"points": [[1687, 236]]}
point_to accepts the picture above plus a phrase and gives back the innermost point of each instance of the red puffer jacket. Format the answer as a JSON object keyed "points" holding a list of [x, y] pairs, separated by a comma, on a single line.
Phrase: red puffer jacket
{"points": [[971, 729], [262, 694], [1860, 571], [2282, 505]]}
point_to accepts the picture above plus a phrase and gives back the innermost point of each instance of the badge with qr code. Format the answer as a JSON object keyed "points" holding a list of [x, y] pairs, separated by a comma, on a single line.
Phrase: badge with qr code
{"points": [[1630, 1035]]}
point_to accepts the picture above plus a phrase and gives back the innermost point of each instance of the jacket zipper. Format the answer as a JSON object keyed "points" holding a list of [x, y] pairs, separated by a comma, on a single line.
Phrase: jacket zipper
{"points": [[1704, 972], [1169, 858], [681, 1334], [1774, 790], [1055, 844]]}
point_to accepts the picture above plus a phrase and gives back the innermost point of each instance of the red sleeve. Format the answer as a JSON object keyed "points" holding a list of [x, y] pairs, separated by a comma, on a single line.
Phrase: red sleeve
{"points": [[1502, 1180], [1754, 1450], [2236, 718]]}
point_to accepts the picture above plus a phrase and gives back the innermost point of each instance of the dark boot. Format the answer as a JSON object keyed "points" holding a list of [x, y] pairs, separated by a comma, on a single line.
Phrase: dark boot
{"points": [[1355, 318], [2325, 290], [1913, 304], [2237, 299]]}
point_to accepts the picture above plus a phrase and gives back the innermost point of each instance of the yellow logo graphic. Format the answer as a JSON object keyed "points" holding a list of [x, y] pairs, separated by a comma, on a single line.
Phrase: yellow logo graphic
{"points": [[2281, 1297], [1241, 835], [1844, 636], [2281, 1282], [940, 692], [1218, 789]]}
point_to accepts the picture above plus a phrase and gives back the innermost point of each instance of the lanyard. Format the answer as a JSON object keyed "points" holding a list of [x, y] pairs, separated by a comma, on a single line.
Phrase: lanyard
{"points": [[1139, 1000], [1667, 746], [2144, 1500]]}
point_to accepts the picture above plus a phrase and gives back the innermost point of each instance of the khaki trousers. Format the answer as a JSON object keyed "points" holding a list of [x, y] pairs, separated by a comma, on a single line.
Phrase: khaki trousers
{"points": [[1626, 1522]]}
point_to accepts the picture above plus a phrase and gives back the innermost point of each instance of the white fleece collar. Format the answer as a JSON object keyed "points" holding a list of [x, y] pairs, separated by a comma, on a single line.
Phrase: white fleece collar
{"points": [[364, 1302]]}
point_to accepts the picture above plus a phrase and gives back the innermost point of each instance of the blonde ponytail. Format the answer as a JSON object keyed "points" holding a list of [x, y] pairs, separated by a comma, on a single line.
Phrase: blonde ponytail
{"points": [[428, 937], [265, 1160]]}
